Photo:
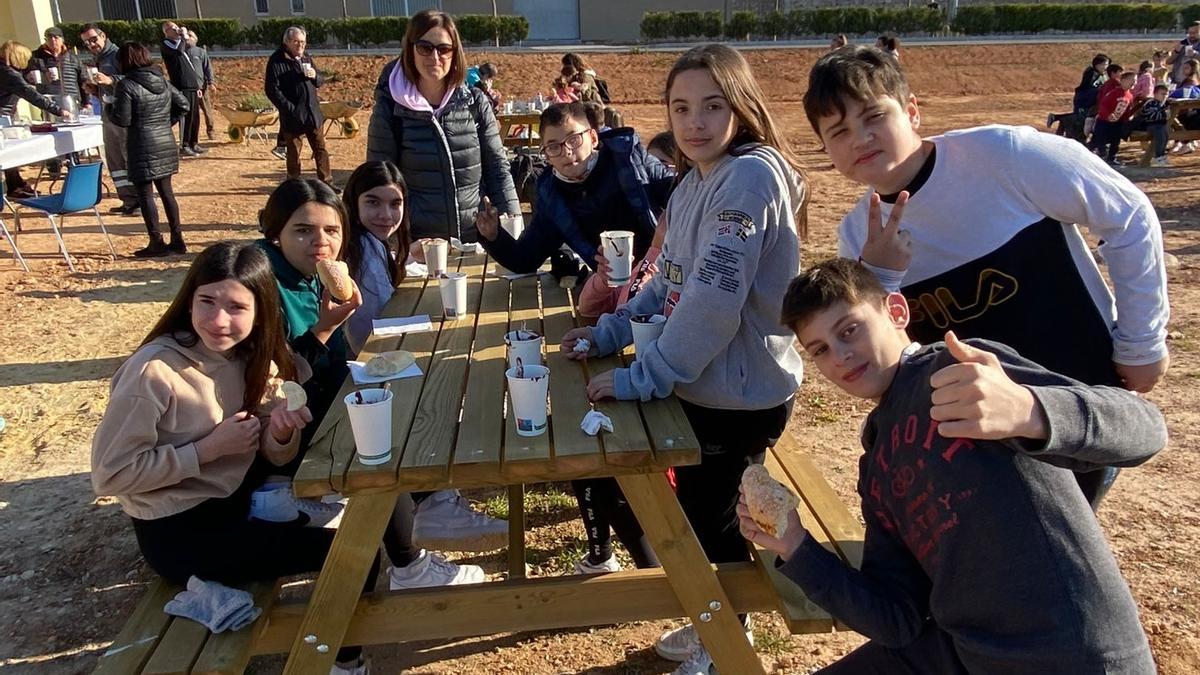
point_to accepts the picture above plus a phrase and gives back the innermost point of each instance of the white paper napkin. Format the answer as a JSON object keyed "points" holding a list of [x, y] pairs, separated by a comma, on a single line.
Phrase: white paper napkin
{"points": [[358, 370], [594, 421]]}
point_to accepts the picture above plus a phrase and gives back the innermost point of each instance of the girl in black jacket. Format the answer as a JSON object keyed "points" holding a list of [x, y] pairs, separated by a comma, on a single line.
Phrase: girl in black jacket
{"points": [[146, 103], [14, 57]]}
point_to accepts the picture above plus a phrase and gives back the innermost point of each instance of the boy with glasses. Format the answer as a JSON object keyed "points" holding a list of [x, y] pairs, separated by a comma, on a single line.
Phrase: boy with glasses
{"points": [[598, 182]]}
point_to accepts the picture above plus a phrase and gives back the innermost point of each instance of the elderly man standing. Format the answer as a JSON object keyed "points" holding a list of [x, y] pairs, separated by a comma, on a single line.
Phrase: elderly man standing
{"points": [[104, 52], [291, 84], [54, 70], [181, 70], [203, 65]]}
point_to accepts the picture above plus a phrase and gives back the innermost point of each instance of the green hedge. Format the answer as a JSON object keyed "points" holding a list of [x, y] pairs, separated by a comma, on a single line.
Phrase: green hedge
{"points": [[741, 25], [801, 22], [223, 32], [484, 28], [1035, 18], [268, 32], [682, 25], [1189, 14], [376, 30]]}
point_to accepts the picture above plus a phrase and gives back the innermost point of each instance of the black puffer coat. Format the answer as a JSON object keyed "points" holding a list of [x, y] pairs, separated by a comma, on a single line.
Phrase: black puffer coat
{"points": [[71, 75], [292, 93], [449, 161], [14, 87], [146, 103]]}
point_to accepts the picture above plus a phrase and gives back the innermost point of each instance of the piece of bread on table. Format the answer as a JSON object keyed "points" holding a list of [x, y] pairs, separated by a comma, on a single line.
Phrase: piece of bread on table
{"points": [[335, 275], [389, 363], [769, 500]]}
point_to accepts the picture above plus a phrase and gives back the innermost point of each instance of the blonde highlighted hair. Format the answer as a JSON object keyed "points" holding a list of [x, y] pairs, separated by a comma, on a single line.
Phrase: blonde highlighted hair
{"points": [[15, 54]]}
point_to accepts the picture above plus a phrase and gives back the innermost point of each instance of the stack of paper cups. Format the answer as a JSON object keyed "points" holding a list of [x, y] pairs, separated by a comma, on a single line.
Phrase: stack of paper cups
{"points": [[454, 294], [371, 422], [524, 348], [646, 329], [617, 246], [435, 256], [527, 387]]}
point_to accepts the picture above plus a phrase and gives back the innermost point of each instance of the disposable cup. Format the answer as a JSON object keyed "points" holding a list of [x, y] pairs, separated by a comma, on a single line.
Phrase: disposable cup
{"points": [[371, 422], [37, 76], [513, 225], [53, 71], [617, 247], [646, 329], [454, 294], [527, 387], [524, 348], [435, 256], [92, 71]]}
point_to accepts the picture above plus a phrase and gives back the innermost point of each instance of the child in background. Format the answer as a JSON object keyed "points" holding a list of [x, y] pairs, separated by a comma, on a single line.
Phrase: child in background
{"points": [[734, 237], [1154, 120], [486, 73], [980, 555], [1143, 88], [1188, 87], [563, 90], [992, 248], [1159, 70], [1106, 137], [663, 147]]}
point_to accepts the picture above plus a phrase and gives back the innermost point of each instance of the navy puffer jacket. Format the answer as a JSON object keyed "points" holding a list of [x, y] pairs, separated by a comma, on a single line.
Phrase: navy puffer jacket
{"points": [[146, 103]]}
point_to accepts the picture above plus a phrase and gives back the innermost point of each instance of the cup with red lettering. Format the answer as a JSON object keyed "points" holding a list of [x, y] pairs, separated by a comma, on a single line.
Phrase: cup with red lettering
{"points": [[524, 348], [646, 329], [527, 387], [435, 256], [370, 412], [454, 294], [617, 246]]}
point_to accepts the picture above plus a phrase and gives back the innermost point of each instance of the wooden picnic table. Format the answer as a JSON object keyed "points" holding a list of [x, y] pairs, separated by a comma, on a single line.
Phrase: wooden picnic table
{"points": [[519, 129], [450, 431]]}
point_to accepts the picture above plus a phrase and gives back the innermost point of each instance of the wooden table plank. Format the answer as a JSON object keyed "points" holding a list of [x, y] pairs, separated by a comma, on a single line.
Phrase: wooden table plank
{"points": [[431, 440], [145, 627], [843, 529], [524, 455], [573, 449], [477, 451], [230, 652], [691, 575], [628, 444], [179, 648]]}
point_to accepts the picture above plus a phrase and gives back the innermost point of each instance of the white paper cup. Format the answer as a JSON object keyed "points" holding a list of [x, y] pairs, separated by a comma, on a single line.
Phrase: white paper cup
{"points": [[37, 76], [646, 329], [371, 422], [53, 72], [527, 398], [309, 71], [617, 246], [454, 294], [435, 256], [525, 347], [513, 225], [92, 71]]}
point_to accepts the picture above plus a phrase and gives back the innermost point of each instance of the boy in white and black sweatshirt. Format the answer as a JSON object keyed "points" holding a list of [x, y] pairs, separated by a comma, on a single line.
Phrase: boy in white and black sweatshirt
{"points": [[980, 556], [983, 239]]}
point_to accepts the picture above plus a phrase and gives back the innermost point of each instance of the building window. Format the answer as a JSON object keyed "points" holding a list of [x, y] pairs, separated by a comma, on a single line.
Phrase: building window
{"points": [[135, 10], [297, 6], [262, 7]]}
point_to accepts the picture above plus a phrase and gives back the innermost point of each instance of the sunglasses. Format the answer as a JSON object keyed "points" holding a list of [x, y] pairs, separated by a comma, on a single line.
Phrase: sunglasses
{"points": [[427, 48]]}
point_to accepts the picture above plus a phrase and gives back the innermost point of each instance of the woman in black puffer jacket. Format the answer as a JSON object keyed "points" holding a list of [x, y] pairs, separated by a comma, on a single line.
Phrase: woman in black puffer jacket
{"points": [[442, 135], [146, 103], [14, 56]]}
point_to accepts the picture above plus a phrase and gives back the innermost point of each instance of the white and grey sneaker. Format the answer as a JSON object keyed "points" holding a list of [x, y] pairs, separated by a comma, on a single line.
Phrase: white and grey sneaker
{"points": [[679, 644], [583, 566], [324, 512], [279, 151], [431, 570], [274, 503], [363, 667], [698, 663], [446, 521]]}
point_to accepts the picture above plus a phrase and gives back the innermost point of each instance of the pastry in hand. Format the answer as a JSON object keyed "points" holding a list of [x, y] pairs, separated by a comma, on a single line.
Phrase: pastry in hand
{"points": [[388, 364], [335, 275], [294, 393], [769, 501]]}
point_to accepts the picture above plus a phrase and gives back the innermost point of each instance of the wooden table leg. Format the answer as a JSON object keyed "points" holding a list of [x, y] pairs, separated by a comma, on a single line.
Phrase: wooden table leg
{"points": [[337, 590], [689, 572], [516, 531]]}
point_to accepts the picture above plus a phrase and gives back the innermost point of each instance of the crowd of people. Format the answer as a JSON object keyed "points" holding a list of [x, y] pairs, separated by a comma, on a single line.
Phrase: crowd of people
{"points": [[1010, 438]]}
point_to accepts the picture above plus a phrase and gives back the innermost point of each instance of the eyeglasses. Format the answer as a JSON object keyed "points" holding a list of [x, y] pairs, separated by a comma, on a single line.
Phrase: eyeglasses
{"points": [[573, 142], [427, 48], [92, 40]]}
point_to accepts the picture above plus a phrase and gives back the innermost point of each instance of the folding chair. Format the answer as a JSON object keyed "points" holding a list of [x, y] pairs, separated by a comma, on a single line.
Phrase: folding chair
{"points": [[13, 243], [81, 192]]}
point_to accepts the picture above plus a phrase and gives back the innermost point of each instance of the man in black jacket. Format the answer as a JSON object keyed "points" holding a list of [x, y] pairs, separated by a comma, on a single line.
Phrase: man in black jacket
{"points": [[104, 54], [291, 84], [59, 68], [177, 57]]}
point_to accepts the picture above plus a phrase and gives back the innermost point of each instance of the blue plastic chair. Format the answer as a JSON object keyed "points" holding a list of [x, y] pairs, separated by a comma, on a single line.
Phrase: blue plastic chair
{"points": [[81, 192]]}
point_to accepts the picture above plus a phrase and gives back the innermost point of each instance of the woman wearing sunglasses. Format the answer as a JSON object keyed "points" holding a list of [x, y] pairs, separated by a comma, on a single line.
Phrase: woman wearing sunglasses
{"points": [[441, 134]]}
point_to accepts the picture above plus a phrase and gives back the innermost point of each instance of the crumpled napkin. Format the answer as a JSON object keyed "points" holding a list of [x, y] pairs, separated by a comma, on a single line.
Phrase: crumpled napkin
{"points": [[582, 346], [464, 246], [218, 607], [594, 421]]}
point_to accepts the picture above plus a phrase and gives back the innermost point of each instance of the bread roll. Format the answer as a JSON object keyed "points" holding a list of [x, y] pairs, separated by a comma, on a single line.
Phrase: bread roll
{"points": [[769, 500], [389, 363], [335, 275], [294, 393]]}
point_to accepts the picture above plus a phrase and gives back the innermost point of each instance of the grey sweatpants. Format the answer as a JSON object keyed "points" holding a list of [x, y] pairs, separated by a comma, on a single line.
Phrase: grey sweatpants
{"points": [[114, 157]]}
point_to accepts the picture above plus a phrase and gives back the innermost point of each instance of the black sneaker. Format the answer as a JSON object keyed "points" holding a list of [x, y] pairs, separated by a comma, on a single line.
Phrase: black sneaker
{"points": [[279, 152], [125, 209], [156, 249], [199, 150], [210, 133], [187, 152], [177, 246]]}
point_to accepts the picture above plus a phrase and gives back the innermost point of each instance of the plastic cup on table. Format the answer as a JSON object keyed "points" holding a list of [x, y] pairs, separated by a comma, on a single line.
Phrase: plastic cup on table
{"points": [[646, 329], [617, 246], [370, 412], [435, 256], [524, 348], [454, 294], [527, 387]]}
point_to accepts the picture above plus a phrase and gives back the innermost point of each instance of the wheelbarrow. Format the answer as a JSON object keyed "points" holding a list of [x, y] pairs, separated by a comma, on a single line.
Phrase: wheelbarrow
{"points": [[246, 123], [341, 114]]}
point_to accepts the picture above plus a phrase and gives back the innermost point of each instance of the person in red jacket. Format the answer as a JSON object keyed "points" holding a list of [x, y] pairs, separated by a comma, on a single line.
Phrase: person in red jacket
{"points": [[1106, 137]]}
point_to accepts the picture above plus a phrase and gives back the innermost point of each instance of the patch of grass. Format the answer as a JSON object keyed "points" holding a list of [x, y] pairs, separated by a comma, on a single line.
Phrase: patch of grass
{"points": [[767, 641], [542, 502], [564, 559], [823, 410], [330, 75]]}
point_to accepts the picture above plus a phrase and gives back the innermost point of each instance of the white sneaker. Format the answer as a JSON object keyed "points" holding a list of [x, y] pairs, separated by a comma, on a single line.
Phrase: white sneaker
{"points": [[274, 503], [1185, 148], [431, 570], [279, 152], [582, 566], [679, 644], [446, 521], [698, 663], [321, 512], [1160, 161], [362, 668]]}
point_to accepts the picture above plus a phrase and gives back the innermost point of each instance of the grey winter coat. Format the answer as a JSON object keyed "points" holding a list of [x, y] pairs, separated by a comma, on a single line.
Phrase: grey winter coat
{"points": [[146, 103], [449, 160]]}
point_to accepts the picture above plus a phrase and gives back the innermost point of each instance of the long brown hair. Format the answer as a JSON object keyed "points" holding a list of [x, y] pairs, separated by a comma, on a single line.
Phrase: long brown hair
{"points": [[421, 23], [247, 265], [369, 176], [732, 74]]}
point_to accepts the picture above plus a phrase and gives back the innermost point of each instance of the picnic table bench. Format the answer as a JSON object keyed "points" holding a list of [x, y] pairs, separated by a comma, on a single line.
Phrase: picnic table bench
{"points": [[1175, 130], [450, 431], [519, 129]]}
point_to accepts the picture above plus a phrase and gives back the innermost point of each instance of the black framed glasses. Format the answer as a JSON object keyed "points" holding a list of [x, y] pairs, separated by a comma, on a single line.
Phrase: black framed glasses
{"points": [[427, 48], [93, 39], [556, 148]]}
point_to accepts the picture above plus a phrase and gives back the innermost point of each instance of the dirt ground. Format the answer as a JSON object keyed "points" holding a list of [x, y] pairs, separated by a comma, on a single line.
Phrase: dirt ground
{"points": [[70, 572]]}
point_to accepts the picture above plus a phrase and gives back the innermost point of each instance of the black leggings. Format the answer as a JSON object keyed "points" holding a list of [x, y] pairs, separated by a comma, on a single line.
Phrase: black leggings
{"points": [[602, 506], [216, 541], [145, 195], [932, 652]]}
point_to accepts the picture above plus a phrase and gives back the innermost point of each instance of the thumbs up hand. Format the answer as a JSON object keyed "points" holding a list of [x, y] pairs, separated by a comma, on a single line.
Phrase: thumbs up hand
{"points": [[975, 398]]}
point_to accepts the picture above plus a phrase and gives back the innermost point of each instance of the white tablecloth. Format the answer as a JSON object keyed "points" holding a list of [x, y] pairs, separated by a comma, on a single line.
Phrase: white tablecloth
{"points": [[55, 144]]}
